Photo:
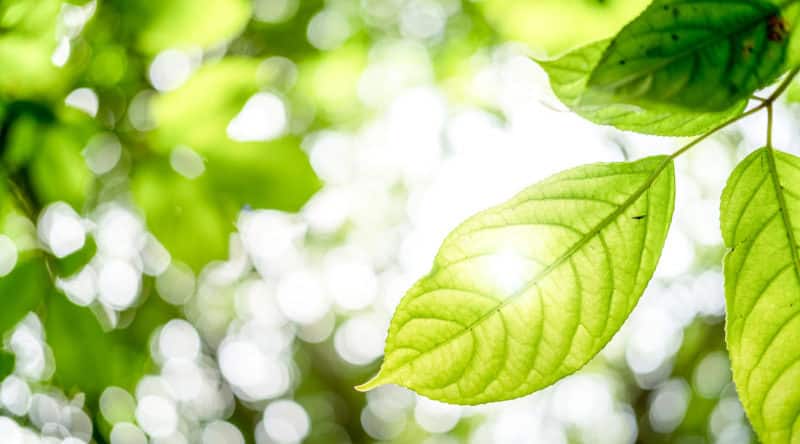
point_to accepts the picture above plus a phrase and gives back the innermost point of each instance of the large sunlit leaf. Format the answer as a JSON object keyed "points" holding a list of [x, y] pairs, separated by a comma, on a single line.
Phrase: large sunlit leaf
{"points": [[570, 73], [760, 216], [528, 292], [698, 54]]}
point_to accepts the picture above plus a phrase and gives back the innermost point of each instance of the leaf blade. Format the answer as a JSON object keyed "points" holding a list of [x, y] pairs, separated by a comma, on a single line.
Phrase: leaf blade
{"points": [[696, 54], [569, 76], [759, 217], [478, 303]]}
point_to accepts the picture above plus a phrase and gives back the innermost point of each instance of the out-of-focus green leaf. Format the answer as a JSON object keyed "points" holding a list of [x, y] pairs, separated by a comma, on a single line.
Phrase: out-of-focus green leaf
{"points": [[24, 137], [108, 65], [22, 291], [792, 17], [793, 93], [7, 204], [69, 265], [89, 359], [329, 82], [27, 42], [759, 218], [552, 27], [526, 293], [269, 174], [273, 174], [198, 113], [186, 215], [6, 364], [58, 169], [570, 73], [698, 54], [27, 69], [152, 313], [187, 23]]}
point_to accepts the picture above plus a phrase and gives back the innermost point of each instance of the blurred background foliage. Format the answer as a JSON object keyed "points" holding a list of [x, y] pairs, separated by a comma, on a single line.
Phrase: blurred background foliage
{"points": [[209, 209]]}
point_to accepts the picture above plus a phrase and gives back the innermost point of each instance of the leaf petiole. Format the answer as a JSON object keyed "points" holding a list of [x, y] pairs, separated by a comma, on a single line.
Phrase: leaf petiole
{"points": [[765, 104]]}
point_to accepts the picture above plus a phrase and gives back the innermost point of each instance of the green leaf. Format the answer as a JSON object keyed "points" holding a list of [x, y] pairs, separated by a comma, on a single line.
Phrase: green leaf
{"points": [[570, 74], [60, 150], [75, 262], [759, 217], [27, 41], [552, 27], [22, 291], [198, 113], [270, 174], [526, 293], [6, 364], [697, 54], [792, 15], [88, 358], [189, 220], [262, 174], [188, 23]]}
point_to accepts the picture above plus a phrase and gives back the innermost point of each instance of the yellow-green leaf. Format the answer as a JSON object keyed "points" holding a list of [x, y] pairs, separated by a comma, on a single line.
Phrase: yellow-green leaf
{"points": [[528, 292], [759, 216], [570, 73]]}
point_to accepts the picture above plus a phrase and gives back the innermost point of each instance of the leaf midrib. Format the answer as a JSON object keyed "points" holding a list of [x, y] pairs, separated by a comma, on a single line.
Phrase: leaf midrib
{"points": [[713, 39], [784, 210], [558, 262]]}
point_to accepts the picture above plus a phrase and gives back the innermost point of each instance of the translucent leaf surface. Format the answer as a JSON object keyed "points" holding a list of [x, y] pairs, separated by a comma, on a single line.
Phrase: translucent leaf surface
{"points": [[528, 292], [570, 74], [697, 54], [760, 212]]}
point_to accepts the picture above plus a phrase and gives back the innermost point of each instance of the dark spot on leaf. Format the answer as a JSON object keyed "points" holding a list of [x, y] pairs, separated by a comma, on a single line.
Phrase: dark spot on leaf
{"points": [[639, 217], [622, 62], [675, 37], [747, 48], [776, 28]]}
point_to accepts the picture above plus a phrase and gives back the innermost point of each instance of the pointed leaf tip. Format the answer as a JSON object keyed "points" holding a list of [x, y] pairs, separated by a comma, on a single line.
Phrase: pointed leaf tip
{"points": [[376, 381]]}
